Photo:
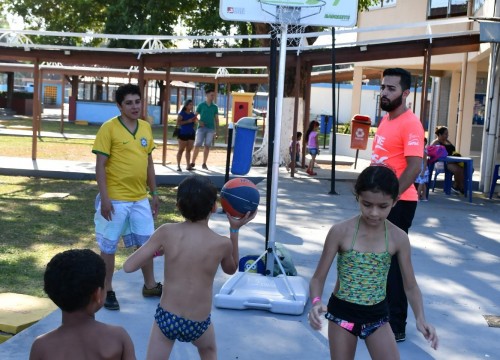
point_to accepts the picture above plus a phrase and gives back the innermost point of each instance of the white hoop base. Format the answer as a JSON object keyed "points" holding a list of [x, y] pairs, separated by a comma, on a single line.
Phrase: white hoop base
{"points": [[245, 290]]}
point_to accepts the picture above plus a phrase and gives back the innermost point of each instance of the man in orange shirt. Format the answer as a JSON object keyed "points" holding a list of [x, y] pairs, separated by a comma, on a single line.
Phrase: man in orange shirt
{"points": [[399, 144]]}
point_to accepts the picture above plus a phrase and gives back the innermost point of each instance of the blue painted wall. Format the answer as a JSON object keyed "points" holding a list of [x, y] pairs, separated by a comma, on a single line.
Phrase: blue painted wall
{"points": [[99, 112]]}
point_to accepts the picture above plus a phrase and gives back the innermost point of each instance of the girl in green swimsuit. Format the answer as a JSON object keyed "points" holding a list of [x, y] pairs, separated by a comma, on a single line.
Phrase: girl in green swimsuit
{"points": [[364, 245]]}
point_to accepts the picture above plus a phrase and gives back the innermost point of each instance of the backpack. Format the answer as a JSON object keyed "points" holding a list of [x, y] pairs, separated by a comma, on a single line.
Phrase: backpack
{"points": [[436, 152], [248, 263], [286, 261]]}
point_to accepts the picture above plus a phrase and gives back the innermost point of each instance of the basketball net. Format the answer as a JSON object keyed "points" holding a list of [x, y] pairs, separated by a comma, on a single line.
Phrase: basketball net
{"points": [[288, 19]]}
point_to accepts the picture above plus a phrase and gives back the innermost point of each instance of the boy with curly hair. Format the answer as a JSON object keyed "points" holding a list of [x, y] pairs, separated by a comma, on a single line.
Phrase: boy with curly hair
{"points": [[74, 281]]}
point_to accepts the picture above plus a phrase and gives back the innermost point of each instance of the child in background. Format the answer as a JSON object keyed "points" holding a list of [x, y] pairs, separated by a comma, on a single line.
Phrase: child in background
{"points": [[364, 245], [192, 253], [312, 145], [423, 177], [297, 150], [74, 281]]}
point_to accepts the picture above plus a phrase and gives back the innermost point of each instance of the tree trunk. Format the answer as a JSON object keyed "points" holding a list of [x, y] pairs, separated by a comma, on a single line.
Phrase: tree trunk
{"points": [[260, 157]]}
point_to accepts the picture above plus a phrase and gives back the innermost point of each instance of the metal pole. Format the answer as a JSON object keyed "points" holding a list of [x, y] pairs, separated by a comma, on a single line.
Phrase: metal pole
{"points": [[271, 120], [228, 156], [295, 116], [334, 135], [229, 144], [276, 151]]}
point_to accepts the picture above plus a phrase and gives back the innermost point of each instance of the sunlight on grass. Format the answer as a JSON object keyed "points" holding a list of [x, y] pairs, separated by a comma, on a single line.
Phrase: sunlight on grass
{"points": [[34, 229], [48, 207], [46, 252], [48, 148]]}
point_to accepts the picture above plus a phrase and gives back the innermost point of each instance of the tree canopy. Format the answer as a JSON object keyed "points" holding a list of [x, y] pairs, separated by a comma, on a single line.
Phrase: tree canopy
{"points": [[148, 17], [52, 15]]}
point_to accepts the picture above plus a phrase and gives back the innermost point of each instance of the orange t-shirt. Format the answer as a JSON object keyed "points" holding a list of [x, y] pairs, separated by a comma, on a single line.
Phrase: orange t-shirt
{"points": [[394, 141]]}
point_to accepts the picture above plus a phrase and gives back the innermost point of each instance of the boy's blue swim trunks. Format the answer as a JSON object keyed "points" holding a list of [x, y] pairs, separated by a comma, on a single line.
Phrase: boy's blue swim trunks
{"points": [[177, 328]]}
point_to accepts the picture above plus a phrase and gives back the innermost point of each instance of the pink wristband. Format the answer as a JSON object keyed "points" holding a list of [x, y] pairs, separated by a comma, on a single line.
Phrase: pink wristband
{"points": [[316, 300]]}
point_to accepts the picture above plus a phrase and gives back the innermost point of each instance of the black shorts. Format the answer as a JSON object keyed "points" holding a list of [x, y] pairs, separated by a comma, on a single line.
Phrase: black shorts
{"points": [[184, 137], [357, 313]]}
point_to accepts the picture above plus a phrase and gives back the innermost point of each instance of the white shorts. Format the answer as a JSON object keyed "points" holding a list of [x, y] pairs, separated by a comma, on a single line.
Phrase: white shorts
{"points": [[204, 136], [132, 220]]}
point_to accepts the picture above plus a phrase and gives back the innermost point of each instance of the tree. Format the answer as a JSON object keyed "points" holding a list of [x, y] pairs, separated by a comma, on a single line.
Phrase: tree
{"points": [[52, 15], [4, 24], [149, 17]]}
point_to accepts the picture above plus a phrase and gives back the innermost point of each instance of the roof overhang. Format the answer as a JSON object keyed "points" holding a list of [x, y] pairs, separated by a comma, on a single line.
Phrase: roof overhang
{"points": [[125, 64]]}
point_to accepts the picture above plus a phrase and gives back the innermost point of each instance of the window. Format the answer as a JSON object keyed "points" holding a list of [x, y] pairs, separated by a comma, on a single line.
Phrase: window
{"points": [[382, 4], [447, 8]]}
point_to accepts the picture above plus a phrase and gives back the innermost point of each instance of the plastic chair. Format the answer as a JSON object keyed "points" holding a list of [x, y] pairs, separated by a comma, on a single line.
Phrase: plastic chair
{"points": [[494, 177], [439, 168]]}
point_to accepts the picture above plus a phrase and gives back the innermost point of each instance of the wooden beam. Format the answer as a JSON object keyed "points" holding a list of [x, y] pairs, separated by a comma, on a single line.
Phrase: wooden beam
{"points": [[165, 112], [36, 106], [397, 50], [382, 51]]}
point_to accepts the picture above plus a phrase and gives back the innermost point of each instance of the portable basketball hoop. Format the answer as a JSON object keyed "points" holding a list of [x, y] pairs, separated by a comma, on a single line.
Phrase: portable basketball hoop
{"points": [[291, 13], [249, 290]]}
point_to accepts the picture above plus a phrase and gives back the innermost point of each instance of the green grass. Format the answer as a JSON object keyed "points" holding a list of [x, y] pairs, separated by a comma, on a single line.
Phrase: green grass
{"points": [[48, 148], [35, 228], [26, 123]]}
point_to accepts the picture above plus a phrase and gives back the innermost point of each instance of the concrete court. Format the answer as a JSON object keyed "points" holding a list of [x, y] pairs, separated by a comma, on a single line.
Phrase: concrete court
{"points": [[456, 256]]}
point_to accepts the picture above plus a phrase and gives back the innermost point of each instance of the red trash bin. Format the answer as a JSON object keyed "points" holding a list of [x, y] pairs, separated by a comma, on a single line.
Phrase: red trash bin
{"points": [[360, 129]]}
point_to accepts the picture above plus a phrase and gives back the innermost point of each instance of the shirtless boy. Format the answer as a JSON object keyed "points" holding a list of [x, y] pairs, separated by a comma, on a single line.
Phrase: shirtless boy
{"points": [[192, 253], [74, 281]]}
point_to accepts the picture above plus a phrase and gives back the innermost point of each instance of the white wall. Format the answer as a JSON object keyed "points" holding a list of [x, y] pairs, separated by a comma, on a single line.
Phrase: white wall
{"points": [[343, 147], [321, 101]]}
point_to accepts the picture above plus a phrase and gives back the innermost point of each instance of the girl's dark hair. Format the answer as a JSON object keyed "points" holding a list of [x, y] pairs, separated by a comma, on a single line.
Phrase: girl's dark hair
{"points": [[311, 127], [186, 103], [377, 178], [440, 130], [196, 197], [71, 277]]}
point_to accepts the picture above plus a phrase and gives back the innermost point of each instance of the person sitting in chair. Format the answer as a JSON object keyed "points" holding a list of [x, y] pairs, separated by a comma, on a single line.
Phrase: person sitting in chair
{"points": [[456, 169]]}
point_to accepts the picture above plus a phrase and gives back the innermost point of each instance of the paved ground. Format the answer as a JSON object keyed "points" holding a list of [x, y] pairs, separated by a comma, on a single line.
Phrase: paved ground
{"points": [[456, 255]]}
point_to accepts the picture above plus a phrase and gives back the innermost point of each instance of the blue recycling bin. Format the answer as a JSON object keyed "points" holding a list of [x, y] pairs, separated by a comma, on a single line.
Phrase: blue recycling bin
{"points": [[325, 125], [244, 139]]}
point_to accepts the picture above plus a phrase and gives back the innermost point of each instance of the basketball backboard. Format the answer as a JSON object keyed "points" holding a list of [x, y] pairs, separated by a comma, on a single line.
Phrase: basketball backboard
{"points": [[332, 13]]}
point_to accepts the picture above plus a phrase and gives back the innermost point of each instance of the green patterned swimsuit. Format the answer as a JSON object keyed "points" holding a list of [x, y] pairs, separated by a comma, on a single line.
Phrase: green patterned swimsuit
{"points": [[363, 276]]}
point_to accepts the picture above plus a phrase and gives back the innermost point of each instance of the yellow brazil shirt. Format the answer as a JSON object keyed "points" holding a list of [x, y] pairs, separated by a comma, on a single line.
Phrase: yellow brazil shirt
{"points": [[127, 152]]}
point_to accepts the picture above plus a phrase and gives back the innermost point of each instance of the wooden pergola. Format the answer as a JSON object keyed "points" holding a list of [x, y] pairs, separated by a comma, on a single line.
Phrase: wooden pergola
{"points": [[158, 65]]}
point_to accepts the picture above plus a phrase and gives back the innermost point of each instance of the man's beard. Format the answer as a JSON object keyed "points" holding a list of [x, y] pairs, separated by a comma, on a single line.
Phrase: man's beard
{"points": [[392, 104]]}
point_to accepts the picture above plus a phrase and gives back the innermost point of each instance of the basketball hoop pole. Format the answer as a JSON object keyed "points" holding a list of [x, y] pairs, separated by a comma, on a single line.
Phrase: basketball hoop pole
{"points": [[333, 150], [276, 151]]}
